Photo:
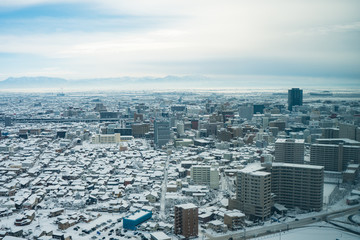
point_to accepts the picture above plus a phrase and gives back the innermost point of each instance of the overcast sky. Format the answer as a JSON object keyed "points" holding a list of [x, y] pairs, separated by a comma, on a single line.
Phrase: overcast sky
{"points": [[310, 40]]}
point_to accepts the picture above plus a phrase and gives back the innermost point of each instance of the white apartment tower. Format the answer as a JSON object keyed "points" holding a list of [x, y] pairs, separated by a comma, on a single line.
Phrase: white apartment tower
{"points": [[205, 175]]}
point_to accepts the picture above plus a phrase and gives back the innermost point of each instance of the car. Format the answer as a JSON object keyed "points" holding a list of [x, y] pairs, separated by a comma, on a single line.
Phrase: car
{"points": [[314, 218], [296, 219]]}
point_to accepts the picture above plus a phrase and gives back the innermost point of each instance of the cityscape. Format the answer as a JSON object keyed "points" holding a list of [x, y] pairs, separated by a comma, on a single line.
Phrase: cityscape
{"points": [[177, 120], [174, 165]]}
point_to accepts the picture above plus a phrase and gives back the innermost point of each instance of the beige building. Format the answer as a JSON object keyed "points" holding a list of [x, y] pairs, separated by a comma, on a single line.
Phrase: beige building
{"points": [[298, 185], [186, 220], [106, 138], [234, 219], [289, 151], [253, 194]]}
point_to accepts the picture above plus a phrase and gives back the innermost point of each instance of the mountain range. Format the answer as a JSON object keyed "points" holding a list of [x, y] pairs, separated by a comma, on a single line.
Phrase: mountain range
{"points": [[121, 82]]}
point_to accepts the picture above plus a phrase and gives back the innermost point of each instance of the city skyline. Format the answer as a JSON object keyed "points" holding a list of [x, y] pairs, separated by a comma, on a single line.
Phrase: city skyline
{"points": [[235, 43]]}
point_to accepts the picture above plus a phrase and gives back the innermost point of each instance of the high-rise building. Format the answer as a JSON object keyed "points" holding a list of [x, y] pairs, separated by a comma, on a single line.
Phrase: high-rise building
{"points": [[8, 121], [335, 154], [246, 111], [295, 97], [254, 192], [161, 132], [289, 151], [186, 220], [298, 185], [205, 175], [349, 131]]}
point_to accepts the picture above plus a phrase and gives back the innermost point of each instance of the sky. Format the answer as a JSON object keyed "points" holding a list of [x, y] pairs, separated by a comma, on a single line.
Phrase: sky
{"points": [[266, 41]]}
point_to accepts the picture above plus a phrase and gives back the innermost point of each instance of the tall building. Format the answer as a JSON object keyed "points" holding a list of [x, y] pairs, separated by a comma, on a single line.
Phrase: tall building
{"points": [[205, 175], [8, 122], [335, 154], [349, 131], [295, 97], [254, 192], [161, 132], [186, 220], [289, 151], [298, 185], [246, 111]]}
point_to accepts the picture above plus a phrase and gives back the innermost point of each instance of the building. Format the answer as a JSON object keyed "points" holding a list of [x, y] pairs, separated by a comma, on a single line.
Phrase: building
{"points": [[131, 222], [335, 154], [349, 131], [186, 220], [106, 138], [246, 111], [161, 133], [8, 122], [205, 175], [253, 193], [234, 219], [289, 151], [298, 185], [295, 98], [330, 133], [140, 129]]}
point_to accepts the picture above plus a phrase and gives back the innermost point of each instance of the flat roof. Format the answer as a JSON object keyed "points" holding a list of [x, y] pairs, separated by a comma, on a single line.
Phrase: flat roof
{"points": [[187, 206], [137, 215], [294, 165]]}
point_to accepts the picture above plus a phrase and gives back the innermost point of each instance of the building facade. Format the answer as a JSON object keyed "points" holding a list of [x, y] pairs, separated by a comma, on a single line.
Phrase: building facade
{"points": [[289, 151], [205, 175], [186, 220], [295, 97], [298, 185], [254, 193], [161, 133]]}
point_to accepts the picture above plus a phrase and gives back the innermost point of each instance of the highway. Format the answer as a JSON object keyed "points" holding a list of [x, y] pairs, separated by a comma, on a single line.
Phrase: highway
{"points": [[324, 215]]}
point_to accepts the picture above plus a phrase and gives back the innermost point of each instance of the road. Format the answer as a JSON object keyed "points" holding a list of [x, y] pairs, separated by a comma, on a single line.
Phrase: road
{"points": [[277, 227], [163, 191]]}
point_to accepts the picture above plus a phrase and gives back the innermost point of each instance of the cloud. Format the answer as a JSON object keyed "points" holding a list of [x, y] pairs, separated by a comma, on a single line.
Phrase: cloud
{"points": [[112, 38]]}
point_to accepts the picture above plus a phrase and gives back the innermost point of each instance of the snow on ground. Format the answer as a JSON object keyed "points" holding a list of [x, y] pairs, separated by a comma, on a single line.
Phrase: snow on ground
{"points": [[312, 233]]}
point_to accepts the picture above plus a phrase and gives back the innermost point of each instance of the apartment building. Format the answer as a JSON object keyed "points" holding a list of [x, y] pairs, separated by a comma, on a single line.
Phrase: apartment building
{"points": [[335, 154], [289, 151], [205, 175], [298, 185], [186, 220], [254, 192]]}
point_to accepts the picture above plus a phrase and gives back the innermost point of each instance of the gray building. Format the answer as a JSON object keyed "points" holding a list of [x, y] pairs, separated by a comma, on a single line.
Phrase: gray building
{"points": [[295, 97], [298, 185], [335, 154], [161, 132], [289, 151]]}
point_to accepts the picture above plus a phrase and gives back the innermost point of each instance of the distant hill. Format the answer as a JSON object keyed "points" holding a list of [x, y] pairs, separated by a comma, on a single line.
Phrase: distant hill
{"points": [[49, 82], [33, 82]]}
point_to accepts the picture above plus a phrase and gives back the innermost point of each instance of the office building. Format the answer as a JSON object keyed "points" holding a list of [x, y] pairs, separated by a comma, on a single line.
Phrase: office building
{"points": [[205, 175], [253, 193], [140, 129], [246, 111], [298, 185], [295, 98], [161, 133], [8, 122], [289, 151], [186, 220], [106, 138], [349, 131], [335, 154]]}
